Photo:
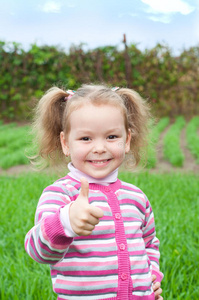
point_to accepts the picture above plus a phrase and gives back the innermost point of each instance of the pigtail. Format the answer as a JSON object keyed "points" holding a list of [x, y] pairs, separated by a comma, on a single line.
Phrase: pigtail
{"points": [[138, 121], [47, 126]]}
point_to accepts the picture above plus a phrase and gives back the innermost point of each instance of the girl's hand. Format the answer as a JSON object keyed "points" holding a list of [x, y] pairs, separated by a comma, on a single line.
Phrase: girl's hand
{"points": [[157, 289], [83, 216]]}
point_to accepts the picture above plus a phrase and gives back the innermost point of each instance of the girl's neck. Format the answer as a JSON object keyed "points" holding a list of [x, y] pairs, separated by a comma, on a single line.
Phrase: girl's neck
{"points": [[77, 174]]}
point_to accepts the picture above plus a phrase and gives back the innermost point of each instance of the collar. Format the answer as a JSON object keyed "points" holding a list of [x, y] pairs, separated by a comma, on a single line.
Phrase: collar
{"points": [[77, 174]]}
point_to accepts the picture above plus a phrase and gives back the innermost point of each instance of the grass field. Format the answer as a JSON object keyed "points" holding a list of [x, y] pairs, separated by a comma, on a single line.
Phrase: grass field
{"points": [[14, 140], [175, 202]]}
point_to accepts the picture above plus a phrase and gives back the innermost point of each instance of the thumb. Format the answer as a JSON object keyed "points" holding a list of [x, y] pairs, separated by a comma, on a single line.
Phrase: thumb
{"points": [[84, 191]]}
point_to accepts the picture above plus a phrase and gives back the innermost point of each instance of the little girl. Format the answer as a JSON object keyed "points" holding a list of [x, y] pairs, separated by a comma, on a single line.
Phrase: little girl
{"points": [[96, 232]]}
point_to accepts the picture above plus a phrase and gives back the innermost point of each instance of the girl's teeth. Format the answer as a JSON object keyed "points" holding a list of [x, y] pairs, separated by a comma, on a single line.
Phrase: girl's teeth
{"points": [[99, 162]]}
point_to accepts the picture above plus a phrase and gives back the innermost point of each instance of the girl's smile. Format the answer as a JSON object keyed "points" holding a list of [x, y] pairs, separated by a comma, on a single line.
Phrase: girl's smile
{"points": [[99, 163], [97, 141]]}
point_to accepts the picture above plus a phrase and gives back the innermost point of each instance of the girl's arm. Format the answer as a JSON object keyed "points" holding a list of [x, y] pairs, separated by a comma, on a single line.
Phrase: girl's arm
{"points": [[151, 242], [47, 241]]}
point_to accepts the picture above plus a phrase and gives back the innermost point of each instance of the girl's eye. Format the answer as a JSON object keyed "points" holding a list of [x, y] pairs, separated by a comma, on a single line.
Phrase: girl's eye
{"points": [[85, 139], [111, 137]]}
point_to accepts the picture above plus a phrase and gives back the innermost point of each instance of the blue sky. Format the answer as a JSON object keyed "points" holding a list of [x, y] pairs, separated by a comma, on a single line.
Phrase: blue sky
{"points": [[100, 23]]}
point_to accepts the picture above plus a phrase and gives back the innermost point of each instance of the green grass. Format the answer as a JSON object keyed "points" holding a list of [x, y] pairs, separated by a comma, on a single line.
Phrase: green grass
{"points": [[13, 143], [21, 277], [192, 136], [175, 202], [154, 137], [171, 143]]}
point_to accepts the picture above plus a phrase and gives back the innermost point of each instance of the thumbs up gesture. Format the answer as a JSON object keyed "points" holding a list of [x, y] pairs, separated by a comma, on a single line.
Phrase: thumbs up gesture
{"points": [[83, 216]]}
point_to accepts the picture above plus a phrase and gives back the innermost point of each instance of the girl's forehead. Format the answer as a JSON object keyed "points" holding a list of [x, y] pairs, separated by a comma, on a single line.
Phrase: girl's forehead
{"points": [[98, 108], [90, 113]]}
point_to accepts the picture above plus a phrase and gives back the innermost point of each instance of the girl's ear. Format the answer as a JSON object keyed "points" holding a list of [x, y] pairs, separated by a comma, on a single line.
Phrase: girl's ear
{"points": [[128, 141], [64, 144]]}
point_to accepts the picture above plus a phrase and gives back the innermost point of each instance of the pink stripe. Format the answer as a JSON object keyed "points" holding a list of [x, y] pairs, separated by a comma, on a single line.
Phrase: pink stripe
{"points": [[152, 247], [49, 211], [138, 271], [138, 197], [99, 292], [134, 253], [154, 259], [52, 202], [142, 280], [135, 236], [150, 235], [142, 288], [87, 263], [136, 227], [141, 262], [127, 200], [54, 189], [131, 210], [44, 247], [87, 273], [107, 209], [96, 236], [56, 246], [36, 256], [133, 218], [130, 188], [150, 222], [98, 228], [92, 245], [38, 247], [84, 283], [132, 202], [91, 254], [135, 244]]}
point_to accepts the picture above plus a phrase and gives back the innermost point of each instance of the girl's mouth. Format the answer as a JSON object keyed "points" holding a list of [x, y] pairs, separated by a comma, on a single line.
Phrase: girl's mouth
{"points": [[100, 162]]}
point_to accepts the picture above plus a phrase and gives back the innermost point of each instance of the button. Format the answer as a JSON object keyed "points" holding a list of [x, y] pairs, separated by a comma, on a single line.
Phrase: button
{"points": [[124, 276], [117, 216], [122, 247], [107, 189]]}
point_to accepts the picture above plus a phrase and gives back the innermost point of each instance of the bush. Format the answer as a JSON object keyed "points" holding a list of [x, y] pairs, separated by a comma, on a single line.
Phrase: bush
{"points": [[170, 83]]}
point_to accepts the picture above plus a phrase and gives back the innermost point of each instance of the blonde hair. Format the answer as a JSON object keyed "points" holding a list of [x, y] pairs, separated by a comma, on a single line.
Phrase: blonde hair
{"points": [[52, 115]]}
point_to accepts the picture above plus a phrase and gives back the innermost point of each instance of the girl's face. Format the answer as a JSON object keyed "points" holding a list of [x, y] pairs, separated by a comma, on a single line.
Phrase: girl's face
{"points": [[97, 141]]}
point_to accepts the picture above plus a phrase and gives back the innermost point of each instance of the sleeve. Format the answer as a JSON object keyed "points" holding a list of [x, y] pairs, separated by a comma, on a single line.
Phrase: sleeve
{"points": [[151, 242], [65, 220], [47, 241]]}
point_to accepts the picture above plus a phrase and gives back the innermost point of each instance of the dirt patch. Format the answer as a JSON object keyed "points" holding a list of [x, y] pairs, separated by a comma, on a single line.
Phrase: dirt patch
{"points": [[164, 166], [189, 162], [17, 170]]}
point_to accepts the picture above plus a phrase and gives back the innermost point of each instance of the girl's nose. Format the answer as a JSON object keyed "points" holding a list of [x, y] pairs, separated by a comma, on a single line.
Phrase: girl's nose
{"points": [[99, 147]]}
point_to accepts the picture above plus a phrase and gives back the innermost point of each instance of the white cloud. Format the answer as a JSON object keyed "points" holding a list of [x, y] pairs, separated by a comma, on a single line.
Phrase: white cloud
{"points": [[168, 6], [161, 18], [121, 15], [51, 7]]}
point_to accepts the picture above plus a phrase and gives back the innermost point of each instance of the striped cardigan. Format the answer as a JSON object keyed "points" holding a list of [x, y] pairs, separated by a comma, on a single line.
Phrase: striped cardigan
{"points": [[116, 261]]}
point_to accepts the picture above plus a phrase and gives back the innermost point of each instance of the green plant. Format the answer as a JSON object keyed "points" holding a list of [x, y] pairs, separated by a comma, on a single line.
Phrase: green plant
{"points": [[153, 139], [171, 143], [13, 143], [193, 137]]}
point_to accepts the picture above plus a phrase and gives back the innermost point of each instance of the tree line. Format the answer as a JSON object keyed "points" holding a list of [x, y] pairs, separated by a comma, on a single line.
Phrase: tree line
{"points": [[169, 83]]}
